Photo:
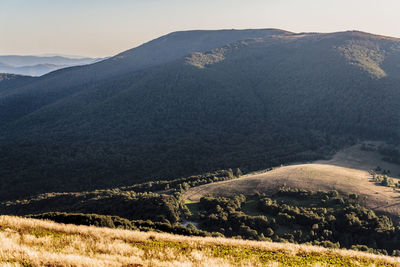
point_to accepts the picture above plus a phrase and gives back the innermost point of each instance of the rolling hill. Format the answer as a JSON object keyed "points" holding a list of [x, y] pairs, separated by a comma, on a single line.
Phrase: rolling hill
{"points": [[310, 177], [325, 175], [37, 243], [35, 70], [198, 101], [23, 61], [39, 65]]}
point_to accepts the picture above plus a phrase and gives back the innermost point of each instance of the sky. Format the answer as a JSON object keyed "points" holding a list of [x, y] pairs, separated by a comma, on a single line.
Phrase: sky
{"points": [[99, 28]]}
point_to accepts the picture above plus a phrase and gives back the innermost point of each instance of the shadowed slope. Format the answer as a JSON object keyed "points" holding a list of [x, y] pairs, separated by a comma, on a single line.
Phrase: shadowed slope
{"points": [[66, 82], [250, 104]]}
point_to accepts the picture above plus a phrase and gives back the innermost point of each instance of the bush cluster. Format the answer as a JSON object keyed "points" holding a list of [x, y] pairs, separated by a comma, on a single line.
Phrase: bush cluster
{"points": [[118, 222], [156, 201], [329, 219]]}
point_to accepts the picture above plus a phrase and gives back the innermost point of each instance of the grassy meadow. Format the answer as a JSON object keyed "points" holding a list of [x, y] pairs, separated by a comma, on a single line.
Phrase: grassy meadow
{"points": [[30, 242]]}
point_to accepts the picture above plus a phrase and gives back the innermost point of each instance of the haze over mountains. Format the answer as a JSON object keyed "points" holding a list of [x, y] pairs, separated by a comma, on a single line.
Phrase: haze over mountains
{"points": [[40, 65], [197, 101]]}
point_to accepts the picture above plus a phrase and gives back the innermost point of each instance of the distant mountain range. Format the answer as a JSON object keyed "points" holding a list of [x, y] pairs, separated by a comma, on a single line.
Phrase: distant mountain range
{"points": [[196, 101], [39, 65]]}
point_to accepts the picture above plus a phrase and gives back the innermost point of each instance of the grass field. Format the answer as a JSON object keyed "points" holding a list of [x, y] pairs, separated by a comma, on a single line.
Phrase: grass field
{"points": [[346, 172], [29, 242], [355, 158]]}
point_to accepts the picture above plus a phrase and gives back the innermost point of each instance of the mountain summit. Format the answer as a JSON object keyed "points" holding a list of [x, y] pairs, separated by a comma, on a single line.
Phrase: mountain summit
{"points": [[197, 101]]}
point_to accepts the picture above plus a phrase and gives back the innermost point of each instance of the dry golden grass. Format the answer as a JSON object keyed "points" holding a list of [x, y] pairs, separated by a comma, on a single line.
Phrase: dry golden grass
{"points": [[347, 172], [30, 242], [355, 158]]}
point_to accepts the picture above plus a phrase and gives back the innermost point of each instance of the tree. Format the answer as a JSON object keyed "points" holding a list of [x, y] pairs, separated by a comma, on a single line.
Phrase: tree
{"points": [[237, 172]]}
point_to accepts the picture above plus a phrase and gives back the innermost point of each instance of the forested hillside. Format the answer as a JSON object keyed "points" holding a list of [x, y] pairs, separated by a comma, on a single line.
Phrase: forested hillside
{"points": [[248, 103], [63, 83], [10, 81]]}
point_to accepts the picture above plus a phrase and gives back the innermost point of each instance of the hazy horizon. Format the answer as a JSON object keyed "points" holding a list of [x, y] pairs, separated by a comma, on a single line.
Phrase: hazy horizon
{"points": [[104, 28]]}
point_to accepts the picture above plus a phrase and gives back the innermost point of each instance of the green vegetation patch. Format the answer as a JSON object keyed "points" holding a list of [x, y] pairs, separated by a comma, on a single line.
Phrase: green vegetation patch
{"points": [[328, 219], [245, 254], [193, 208], [39, 232]]}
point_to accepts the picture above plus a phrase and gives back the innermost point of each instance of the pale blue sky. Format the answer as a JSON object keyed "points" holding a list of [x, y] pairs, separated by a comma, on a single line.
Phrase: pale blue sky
{"points": [[106, 27]]}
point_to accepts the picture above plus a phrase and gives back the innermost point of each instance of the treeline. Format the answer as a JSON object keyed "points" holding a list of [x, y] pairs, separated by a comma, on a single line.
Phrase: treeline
{"points": [[182, 184], [122, 223], [126, 204], [156, 201]]}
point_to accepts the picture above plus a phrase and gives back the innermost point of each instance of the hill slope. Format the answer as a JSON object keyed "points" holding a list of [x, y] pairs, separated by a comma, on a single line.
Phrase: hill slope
{"points": [[37, 243], [310, 177], [347, 172], [355, 157], [13, 80], [249, 104], [65, 82]]}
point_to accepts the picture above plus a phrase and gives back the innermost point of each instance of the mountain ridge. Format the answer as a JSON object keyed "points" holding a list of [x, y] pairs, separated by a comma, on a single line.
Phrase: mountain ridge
{"points": [[271, 100], [39, 65], [73, 79]]}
